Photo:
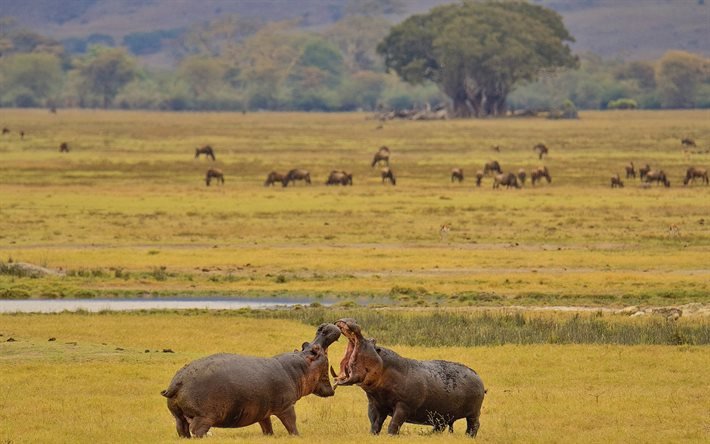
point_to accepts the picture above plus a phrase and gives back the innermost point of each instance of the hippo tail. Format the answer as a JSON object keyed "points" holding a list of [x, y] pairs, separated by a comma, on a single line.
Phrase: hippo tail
{"points": [[171, 390]]}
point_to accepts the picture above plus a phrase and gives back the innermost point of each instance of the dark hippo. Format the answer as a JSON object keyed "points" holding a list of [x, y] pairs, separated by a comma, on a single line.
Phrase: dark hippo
{"points": [[226, 390], [433, 393]]}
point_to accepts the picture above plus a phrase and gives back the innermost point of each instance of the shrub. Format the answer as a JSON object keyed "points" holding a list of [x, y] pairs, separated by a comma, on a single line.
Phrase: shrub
{"points": [[622, 104]]}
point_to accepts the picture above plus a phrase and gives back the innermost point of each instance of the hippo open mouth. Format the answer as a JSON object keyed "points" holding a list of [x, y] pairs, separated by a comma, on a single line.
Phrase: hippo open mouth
{"points": [[349, 373]]}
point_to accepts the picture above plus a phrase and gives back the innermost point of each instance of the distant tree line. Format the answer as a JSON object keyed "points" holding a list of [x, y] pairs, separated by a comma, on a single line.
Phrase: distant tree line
{"points": [[479, 60]]}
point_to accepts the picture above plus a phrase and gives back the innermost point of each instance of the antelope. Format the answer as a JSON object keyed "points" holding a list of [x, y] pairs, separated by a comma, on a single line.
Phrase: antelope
{"points": [[383, 154], [630, 170], [214, 173], [541, 150], [206, 150]]}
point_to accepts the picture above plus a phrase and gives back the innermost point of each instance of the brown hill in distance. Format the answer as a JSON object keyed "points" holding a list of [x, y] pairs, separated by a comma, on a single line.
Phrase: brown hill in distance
{"points": [[629, 29]]}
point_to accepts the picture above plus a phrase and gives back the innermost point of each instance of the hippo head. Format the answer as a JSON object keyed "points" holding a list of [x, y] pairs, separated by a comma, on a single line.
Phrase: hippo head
{"points": [[315, 352], [361, 364]]}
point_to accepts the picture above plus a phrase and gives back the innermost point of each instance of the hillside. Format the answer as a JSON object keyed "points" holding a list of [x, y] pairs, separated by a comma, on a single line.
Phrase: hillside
{"points": [[631, 29]]}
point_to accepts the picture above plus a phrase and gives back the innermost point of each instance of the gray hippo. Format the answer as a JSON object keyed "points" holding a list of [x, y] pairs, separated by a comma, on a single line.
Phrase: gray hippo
{"points": [[226, 390], [433, 393]]}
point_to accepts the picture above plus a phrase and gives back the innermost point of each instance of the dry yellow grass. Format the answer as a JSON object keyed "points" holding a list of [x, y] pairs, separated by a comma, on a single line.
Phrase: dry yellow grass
{"points": [[92, 392], [130, 197]]}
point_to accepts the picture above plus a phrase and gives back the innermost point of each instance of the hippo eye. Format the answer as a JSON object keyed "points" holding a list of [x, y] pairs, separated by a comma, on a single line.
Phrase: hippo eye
{"points": [[378, 349]]}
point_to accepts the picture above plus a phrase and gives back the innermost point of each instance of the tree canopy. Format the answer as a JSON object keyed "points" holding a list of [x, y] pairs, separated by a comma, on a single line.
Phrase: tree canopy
{"points": [[477, 52]]}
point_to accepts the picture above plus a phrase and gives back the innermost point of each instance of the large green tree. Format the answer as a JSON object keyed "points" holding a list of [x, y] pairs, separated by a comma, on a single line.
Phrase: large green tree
{"points": [[477, 52], [105, 71], [680, 75]]}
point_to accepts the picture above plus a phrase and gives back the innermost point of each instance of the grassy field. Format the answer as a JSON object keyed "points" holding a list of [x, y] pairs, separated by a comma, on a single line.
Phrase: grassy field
{"points": [[100, 381], [127, 213]]}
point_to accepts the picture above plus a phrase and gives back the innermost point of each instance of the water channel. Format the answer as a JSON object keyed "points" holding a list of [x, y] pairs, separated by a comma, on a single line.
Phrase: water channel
{"points": [[98, 305]]}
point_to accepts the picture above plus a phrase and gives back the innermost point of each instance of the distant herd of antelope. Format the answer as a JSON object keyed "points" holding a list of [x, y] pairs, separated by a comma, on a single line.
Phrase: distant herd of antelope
{"points": [[646, 174]]}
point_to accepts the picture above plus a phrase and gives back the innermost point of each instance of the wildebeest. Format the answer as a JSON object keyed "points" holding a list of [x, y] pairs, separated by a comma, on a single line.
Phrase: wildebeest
{"points": [[388, 174], [479, 177], [630, 170], [339, 178], [435, 393], [5, 131], [64, 147], [22, 135], [541, 150], [657, 176], [522, 175], [297, 174], [228, 390], [274, 177], [643, 171], [383, 154], [492, 166], [214, 173], [507, 179], [457, 175], [687, 141], [696, 173], [539, 173], [616, 181], [206, 150]]}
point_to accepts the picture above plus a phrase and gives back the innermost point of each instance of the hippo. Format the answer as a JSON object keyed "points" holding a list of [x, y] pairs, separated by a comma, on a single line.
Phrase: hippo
{"points": [[433, 393], [228, 390]]}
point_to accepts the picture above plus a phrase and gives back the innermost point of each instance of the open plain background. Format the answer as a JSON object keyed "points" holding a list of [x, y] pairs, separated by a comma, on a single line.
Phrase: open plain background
{"points": [[126, 213]]}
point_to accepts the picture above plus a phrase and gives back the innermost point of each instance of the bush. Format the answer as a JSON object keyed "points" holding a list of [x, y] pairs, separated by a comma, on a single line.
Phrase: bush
{"points": [[622, 104]]}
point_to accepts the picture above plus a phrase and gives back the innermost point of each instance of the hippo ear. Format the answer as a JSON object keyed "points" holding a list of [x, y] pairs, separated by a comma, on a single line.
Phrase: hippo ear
{"points": [[304, 345]]}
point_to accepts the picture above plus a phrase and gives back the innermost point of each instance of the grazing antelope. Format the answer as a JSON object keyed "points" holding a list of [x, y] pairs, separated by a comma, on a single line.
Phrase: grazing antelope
{"points": [[657, 176], [507, 179], [388, 174], [479, 177], [687, 142], [539, 173], [696, 173], [616, 181], [630, 170], [541, 150], [383, 154], [206, 150], [643, 171], [214, 173], [673, 230], [444, 231], [339, 178], [64, 147], [493, 167], [522, 175], [457, 175], [274, 177], [297, 174]]}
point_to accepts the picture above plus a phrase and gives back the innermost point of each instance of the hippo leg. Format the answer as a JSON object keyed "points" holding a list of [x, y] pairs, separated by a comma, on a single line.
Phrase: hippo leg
{"points": [[398, 418], [182, 426], [288, 419], [266, 426], [200, 426], [181, 423], [472, 425], [377, 418]]}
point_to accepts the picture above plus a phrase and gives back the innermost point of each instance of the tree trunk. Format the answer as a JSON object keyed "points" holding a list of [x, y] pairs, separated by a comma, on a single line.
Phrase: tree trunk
{"points": [[461, 106]]}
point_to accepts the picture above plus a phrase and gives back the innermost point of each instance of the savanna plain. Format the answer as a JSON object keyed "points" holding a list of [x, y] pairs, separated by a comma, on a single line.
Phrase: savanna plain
{"points": [[126, 213]]}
